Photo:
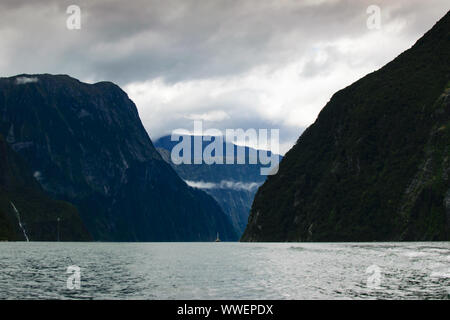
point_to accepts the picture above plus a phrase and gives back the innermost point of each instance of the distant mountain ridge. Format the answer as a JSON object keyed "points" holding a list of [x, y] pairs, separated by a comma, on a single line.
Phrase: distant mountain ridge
{"points": [[375, 165], [233, 186], [86, 145]]}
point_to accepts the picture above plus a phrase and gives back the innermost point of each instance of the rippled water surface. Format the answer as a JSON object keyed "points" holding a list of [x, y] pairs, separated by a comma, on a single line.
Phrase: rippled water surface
{"points": [[226, 270]]}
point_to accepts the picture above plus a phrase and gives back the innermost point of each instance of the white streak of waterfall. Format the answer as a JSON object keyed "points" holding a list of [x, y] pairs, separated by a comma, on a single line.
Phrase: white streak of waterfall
{"points": [[20, 223]]}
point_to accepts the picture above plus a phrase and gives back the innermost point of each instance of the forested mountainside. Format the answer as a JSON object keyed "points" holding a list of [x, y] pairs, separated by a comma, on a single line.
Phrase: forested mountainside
{"points": [[375, 164], [86, 145]]}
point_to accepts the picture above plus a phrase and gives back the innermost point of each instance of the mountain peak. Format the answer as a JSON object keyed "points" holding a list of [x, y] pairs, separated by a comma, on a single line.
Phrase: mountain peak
{"points": [[91, 149]]}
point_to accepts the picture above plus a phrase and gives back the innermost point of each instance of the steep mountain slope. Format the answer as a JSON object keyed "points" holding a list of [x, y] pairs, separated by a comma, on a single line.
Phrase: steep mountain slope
{"points": [[37, 214], [86, 145], [375, 164], [233, 186]]}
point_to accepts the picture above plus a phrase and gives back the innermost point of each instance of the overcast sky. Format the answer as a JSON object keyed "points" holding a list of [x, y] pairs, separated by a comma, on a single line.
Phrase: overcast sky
{"points": [[232, 63]]}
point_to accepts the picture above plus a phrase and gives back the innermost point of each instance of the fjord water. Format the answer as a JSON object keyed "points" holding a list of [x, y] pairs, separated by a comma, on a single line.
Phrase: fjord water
{"points": [[37, 270]]}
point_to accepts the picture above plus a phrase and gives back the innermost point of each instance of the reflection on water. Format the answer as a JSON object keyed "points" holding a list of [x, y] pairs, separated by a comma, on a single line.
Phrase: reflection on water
{"points": [[226, 270]]}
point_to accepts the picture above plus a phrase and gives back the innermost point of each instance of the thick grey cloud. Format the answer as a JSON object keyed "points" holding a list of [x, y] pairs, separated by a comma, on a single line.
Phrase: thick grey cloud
{"points": [[177, 40], [235, 63]]}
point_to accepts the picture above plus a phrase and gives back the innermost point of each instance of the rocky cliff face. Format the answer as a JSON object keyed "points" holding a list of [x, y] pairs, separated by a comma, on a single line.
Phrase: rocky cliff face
{"points": [[86, 145], [26, 211], [375, 164]]}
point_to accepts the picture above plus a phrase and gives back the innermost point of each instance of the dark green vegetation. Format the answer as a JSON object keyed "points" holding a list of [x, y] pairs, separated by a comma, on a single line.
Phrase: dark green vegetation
{"points": [[375, 165], [86, 145], [233, 186], [38, 213]]}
